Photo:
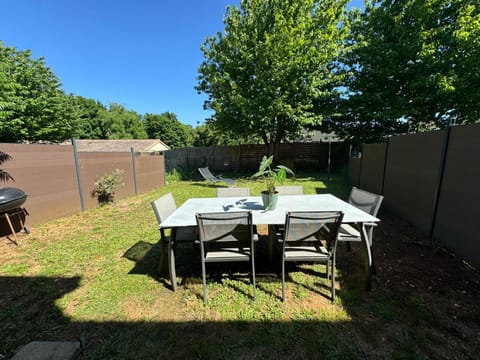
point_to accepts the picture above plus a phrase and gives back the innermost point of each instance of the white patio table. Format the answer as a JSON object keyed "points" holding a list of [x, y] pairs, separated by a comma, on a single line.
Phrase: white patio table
{"points": [[185, 216]]}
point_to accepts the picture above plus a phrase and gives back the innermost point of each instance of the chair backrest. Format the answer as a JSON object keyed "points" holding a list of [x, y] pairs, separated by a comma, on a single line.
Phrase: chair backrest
{"points": [[366, 201], [207, 174], [163, 207], [312, 226], [290, 190], [231, 192], [222, 227]]}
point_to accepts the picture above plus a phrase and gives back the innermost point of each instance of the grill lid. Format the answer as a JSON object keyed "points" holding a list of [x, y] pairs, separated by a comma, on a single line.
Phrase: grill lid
{"points": [[11, 198]]}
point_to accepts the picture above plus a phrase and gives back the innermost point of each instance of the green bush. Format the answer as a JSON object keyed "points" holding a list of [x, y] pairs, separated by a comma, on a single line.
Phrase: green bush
{"points": [[173, 176], [105, 187]]}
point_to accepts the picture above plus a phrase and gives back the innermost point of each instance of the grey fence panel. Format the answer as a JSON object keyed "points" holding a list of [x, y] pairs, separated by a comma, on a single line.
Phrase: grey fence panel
{"points": [[373, 164], [456, 225], [412, 176], [354, 166]]}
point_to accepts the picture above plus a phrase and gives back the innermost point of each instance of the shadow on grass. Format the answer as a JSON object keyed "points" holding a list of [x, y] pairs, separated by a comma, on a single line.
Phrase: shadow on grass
{"points": [[29, 312]]}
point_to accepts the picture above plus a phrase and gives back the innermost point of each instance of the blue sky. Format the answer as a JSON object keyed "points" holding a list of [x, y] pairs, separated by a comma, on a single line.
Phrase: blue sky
{"points": [[143, 54]]}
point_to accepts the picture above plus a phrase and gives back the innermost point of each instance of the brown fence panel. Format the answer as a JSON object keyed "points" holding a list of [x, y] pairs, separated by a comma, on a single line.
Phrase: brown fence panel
{"points": [[150, 172], [457, 219], [95, 165], [47, 174], [298, 156], [412, 176], [250, 156], [373, 164], [354, 165]]}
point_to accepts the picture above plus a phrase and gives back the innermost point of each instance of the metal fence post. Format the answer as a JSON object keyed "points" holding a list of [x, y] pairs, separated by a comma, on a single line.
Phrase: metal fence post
{"points": [[77, 169], [441, 172], [134, 171], [385, 164]]}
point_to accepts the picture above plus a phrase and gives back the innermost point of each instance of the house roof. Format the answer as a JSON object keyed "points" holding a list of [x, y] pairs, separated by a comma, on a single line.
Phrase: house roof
{"points": [[144, 146]]}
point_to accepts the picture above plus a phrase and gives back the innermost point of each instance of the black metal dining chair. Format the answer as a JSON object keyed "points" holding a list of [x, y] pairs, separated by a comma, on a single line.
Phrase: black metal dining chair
{"points": [[311, 236], [226, 237]]}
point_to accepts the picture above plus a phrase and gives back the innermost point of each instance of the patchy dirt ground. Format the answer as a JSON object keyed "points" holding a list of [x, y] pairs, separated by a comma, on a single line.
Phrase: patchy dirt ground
{"points": [[438, 292]]}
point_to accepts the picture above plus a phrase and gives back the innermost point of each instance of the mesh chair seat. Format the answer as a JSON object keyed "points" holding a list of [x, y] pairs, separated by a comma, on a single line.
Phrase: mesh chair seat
{"points": [[306, 253], [228, 254], [349, 233]]}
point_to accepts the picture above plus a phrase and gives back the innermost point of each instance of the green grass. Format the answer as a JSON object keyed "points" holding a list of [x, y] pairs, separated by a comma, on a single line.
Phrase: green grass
{"points": [[93, 277]]}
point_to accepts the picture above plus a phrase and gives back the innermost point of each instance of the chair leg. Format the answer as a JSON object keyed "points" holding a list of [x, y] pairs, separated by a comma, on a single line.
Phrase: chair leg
{"points": [[163, 250], [283, 280], [254, 281], [333, 281], [204, 282], [171, 265]]}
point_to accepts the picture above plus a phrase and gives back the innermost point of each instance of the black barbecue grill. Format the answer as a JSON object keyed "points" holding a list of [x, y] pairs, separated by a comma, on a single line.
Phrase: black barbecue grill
{"points": [[12, 214]]}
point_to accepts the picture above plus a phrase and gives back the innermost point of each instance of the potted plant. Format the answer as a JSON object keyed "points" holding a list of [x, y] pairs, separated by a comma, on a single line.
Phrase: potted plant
{"points": [[278, 175]]}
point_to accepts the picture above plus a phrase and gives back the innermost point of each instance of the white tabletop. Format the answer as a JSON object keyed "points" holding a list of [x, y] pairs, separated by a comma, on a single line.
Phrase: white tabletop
{"points": [[185, 214]]}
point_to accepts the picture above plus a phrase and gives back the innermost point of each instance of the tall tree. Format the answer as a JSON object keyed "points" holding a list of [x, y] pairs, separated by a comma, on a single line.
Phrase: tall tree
{"points": [[167, 128], [32, 104], [274, 59], [413, 67]]}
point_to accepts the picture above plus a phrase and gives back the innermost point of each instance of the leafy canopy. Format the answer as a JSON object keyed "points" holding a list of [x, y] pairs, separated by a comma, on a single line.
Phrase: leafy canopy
{"points": [[32, 105], [414, 66], [167, 128], [275, 57]]}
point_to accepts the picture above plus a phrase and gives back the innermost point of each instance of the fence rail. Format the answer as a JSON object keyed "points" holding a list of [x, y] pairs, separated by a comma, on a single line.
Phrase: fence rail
{"points": [[430, 180]]}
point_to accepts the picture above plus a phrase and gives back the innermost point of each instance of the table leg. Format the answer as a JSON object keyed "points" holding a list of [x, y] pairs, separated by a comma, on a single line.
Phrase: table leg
{"points": [[368, 262]]}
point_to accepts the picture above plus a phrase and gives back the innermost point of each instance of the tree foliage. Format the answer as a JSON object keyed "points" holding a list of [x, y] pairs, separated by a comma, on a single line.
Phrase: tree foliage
{"points": [[209, 135], [112, 122], [167, 128], [414, 66], [263, 74], [32, 105], [4, 175]]}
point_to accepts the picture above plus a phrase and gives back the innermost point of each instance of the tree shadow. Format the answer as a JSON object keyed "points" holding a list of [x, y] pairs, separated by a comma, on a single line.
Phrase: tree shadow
{"points": [[29, 312]]}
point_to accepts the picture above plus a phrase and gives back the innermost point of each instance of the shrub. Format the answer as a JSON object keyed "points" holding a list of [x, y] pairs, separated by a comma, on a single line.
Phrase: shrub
{"points": [[105, 187], [173, 176]]}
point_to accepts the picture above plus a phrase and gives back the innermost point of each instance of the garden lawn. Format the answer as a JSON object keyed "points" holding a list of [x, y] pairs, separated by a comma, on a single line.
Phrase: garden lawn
{"points": [[93, 277]]}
